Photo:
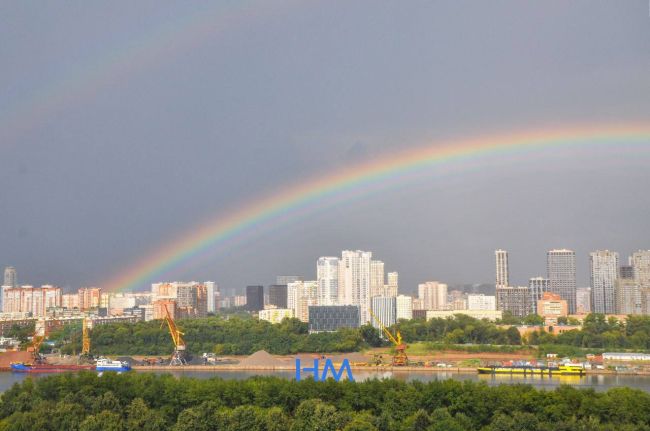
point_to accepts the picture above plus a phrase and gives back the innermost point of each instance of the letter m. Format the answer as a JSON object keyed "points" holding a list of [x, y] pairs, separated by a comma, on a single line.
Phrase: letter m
{"points": [[329, 367]]}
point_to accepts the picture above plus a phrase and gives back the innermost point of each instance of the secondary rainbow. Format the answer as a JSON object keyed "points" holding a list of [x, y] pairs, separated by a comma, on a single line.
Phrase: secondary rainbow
{"points": [[293, 202]]}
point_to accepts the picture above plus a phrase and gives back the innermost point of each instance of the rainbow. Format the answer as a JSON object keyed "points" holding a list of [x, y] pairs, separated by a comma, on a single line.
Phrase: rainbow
{"points": [[293, 202]]}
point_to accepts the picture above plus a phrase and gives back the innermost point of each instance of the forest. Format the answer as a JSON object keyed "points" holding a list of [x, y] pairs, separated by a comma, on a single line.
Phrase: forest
{"points": [[236, 335], [147, 401]]}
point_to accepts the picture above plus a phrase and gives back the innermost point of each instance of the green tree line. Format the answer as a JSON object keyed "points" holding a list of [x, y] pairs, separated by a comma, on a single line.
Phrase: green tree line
{"points": [[132, 401]]}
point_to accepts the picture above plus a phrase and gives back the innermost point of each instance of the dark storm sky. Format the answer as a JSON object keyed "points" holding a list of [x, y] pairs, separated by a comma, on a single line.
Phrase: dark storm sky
{"points": [[125, 124]]}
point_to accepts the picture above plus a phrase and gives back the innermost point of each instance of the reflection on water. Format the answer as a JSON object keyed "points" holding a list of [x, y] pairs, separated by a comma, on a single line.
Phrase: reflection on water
{"points": [[597, 382]]}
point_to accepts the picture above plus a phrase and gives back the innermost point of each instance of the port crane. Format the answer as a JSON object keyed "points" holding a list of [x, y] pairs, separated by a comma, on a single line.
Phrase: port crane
{"points": [[85, 341], [178, 357], [399, 358]]}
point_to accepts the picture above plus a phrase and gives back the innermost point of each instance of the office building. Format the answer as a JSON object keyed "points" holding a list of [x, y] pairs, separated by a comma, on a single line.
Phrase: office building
{"points": [[278, 295], [583, 300], [516, 300], [11, 278], [212, 294], [385, 309], [603, 266], [327, 275], [502, 276], [561, 274], [481, 302], [628, 292], [376, 278], [254, 298], [433, 295], [551, 307], [330, 318], [354, 281], [404, 306], [275, 315]]}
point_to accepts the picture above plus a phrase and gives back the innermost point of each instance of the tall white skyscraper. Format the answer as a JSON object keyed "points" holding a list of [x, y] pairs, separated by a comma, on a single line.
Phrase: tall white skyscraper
{"points": [[300, 295], [376, 278], [561, 269], [433, 295], [640, 261], [603, 266], [354, 281], [502, 276], [327, 274], [211, 291]]}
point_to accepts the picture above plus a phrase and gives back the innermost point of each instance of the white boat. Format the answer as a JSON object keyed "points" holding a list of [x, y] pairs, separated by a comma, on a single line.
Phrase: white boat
{"points": [[105, 364]]}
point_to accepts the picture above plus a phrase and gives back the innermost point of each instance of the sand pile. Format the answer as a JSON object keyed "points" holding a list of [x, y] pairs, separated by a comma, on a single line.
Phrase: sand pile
{"points": [[262, 358]]}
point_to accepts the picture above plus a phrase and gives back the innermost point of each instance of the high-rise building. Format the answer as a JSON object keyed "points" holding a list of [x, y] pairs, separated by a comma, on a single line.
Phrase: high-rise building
{"points": [[561, 274], [327, 275], [212, 294], [640, 261], [89, 297], [300, 296], [391, 289], [278, 295], [603, 265], [190, 299], [376, 278], [502, 276], [254, 298], [537, 287], [11, 279], [628, 293], [481, 302], [433, 295], [583, 300], [516, 300], [329, 318], [354, 281], [404, 306], [30, 299], [385, 308]]}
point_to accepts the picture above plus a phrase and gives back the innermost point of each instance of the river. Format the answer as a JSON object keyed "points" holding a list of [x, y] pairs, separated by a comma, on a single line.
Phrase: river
{"points": [[597, 382]]}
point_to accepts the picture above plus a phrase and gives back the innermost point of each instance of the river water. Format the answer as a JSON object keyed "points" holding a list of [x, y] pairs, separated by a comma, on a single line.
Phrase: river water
{"points": [[597, 382]]}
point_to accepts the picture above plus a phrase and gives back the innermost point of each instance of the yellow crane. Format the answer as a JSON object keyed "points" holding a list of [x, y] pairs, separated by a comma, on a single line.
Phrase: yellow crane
{"points": [[399, 358], [85, 343], [37, 340], [178, 357]]}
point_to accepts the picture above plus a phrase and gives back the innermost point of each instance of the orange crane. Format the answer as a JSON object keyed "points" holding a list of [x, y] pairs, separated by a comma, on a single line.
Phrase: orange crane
{"points": [[37, 340], [178, 357], [399, 358]]}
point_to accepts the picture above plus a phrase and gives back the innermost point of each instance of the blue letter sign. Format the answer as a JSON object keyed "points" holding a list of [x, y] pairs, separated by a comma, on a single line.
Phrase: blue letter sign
{"points": [[329, 367]]}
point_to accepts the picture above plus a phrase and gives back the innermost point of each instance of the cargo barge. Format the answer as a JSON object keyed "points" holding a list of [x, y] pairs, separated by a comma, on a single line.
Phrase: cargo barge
{"points": [[563, 370], [22, 367]]}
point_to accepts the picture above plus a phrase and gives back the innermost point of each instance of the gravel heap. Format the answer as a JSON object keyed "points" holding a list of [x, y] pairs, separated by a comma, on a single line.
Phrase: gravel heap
{"points": [[262, 358]]}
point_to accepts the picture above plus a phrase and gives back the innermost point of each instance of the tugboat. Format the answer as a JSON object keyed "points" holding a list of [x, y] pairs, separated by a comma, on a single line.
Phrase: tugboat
{"points": [[105, 364]]}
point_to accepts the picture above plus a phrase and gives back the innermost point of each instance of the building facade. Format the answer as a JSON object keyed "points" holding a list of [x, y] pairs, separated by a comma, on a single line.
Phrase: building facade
{"points": [[603, 267], [31, 300], [278, 295], [404, 306], [275, 315], [516, 300], [628, 292], [502, 275], [551, 307], [254, 298], [561, 274], [10, 277], [583, 300], [329, 318], [481, 302], [537, 286]]}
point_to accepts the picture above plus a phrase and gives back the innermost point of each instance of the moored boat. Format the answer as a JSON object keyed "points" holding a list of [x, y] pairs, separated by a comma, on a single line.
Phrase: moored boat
{"points": [[569, 369], [105, 364]]}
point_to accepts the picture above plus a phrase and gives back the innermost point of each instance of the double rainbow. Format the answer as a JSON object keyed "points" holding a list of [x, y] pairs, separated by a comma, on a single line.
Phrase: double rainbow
{"points": [[293, 202]]}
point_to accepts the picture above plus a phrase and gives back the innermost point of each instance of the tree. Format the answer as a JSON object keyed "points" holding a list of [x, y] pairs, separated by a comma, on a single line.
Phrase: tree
{"points": [[533, 320], [103, 421]]}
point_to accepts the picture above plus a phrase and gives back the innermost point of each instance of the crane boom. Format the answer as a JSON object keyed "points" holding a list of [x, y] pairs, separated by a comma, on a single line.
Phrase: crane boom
{"points": [[178, 357], [399, 358], [384, 329]]}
